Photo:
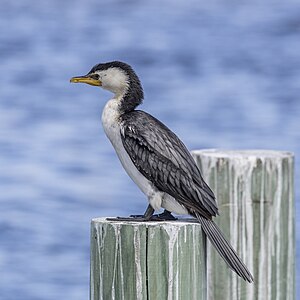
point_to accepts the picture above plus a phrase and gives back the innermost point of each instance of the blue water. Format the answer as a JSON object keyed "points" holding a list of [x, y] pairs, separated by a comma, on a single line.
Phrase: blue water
{"points": [[221, 75]]}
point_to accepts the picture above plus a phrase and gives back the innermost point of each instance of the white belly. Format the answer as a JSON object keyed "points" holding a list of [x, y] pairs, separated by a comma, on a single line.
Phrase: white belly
{"points": [[156, 198], [112, 129]]}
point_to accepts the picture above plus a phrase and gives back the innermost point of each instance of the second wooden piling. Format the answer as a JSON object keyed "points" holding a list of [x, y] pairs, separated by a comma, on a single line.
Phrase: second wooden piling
{"points": [[255, 195]]}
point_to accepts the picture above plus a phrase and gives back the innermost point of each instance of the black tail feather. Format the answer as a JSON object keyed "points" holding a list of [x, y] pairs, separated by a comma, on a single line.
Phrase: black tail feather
{"points": [[223, 247]]}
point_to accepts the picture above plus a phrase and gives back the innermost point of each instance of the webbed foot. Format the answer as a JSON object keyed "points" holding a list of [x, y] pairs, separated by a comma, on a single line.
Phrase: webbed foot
{"points": [[147, 216], [165, 216]]}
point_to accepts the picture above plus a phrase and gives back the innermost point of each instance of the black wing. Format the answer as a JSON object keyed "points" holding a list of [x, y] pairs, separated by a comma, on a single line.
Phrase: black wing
{"points": [[164, 160]]}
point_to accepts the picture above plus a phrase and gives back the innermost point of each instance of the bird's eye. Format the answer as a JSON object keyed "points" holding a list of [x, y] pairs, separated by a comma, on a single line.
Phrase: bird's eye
{"points": [[95, 76]]}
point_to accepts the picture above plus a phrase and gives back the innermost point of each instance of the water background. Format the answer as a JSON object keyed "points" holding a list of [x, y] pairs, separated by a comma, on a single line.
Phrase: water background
{"points": [[221, 74]]}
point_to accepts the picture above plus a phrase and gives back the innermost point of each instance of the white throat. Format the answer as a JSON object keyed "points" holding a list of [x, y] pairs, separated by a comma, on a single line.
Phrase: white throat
{"points": [[114, 80], [110, 117], [112, 128]]}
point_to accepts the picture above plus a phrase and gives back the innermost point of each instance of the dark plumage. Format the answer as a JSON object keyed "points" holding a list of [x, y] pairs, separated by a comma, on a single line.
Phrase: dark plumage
{"points": [[162, 158]]}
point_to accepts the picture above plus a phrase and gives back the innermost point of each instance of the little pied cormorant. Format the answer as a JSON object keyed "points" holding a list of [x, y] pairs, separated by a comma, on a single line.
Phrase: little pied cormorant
{"points": [[156, 159]]}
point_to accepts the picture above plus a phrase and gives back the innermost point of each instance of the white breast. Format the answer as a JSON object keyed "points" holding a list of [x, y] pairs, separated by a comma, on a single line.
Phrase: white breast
{"points": [[110, 122]]}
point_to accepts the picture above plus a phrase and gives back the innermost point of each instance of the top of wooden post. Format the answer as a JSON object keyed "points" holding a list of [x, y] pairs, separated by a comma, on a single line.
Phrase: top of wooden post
{"points": [[217, 153], [179, 222]]}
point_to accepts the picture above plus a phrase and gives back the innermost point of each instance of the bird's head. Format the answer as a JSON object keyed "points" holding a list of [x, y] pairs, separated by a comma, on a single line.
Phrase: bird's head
{"points": [[117, 77]]}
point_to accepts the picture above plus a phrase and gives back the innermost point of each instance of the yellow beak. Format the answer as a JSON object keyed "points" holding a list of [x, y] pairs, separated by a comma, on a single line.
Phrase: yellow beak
{"points": [[86, 79]]}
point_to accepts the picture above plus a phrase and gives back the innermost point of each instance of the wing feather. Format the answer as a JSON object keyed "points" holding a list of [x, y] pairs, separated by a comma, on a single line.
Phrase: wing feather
{"points": [[162, 158]]}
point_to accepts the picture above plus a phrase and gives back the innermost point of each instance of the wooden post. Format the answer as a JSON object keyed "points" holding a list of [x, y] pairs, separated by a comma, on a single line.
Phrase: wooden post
{"points": [[255, 195], [146, 261]]}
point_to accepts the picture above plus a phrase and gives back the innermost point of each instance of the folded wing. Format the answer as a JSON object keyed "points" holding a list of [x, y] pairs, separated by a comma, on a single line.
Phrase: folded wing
{"points": [[164, 160]]}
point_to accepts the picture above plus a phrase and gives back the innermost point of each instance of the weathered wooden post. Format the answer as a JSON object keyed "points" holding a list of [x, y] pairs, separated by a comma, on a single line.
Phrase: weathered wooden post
{"points": [[146, 261], [164, 260], [256, 201]]}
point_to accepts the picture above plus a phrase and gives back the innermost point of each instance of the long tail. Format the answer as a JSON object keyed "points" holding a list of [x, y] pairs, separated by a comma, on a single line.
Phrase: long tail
{"points": [[226, 251]]}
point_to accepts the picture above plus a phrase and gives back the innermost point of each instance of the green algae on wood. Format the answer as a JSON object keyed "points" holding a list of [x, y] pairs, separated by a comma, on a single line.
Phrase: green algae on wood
{"points": [[152, 260], [255, 195]]}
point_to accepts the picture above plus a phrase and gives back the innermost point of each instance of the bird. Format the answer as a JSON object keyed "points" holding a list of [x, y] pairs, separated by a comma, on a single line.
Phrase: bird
{"points": [[156, 159]]}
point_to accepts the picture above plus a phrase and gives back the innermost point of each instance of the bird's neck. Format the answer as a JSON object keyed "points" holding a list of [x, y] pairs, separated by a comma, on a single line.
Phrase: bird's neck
{"points": [[129, 98], [121, 103], [128, 103]]}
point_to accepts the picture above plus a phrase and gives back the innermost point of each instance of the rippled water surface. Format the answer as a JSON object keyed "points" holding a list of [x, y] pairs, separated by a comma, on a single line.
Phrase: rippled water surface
{"points": [[221, 75]]}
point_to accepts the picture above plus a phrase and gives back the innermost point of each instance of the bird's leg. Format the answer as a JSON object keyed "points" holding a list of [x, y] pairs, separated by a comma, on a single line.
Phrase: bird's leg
{"points": [[147, 216]]}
